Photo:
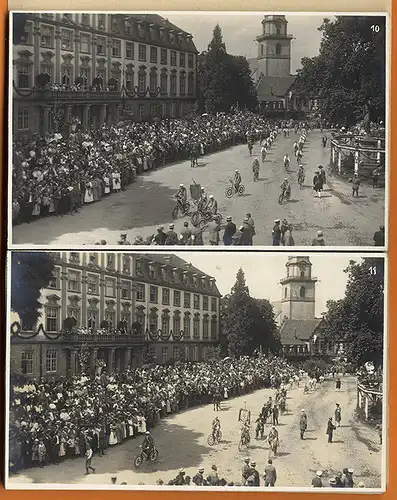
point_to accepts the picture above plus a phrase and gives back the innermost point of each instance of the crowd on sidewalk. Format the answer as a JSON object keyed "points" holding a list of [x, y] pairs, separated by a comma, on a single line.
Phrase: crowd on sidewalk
{"points": [[54, 419]]}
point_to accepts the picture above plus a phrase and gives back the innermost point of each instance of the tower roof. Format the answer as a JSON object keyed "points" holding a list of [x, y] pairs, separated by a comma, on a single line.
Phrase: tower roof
{"points": [[275, 17]]}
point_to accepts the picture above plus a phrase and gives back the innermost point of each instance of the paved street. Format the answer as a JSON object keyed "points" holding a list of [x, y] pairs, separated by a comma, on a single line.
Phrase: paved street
{"points": [[181, 440], [149, 202]]}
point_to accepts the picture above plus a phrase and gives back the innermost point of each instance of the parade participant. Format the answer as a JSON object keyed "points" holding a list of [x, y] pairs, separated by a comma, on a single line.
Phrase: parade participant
{"points": [[171, 236], [275, 414], [185, 235], [230, 231], [237, 238], [285, 187], [236, 180], [160, 237], [303, 424], [355, 185], [375, 178], [301, 173], [202, 202], [330, 429], [198, 479], [216, 427], [286, 161], [338, 414], [338, 384], [181, 195], [251, 224], [212, 205], [263, 152], [270, 474], [284, 228], [88, 459], [255, 169], [316, 481], [276, 233], [148, 444]]}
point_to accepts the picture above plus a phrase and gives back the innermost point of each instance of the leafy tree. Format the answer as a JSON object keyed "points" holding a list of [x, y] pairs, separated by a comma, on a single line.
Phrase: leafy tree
{"points": [[246, 323], [223, 80], [357, 319], [349, 72], [30, 273]]}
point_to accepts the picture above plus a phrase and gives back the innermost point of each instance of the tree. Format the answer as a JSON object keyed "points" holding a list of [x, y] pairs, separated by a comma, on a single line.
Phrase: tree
{"points": [[358, 318], [349, 72], [246, 323], [30, 273], [223, 80]]}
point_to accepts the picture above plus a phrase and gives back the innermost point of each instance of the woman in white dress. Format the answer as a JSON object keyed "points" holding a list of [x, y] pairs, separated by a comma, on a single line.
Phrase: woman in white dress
{"points": [[130, 428], [106, 182], [116, 181], [112, 436], [89, 194]]}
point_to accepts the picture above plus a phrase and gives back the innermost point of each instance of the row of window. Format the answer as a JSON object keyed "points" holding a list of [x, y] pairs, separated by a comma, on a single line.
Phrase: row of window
{"points": [[165, 297], [189, 354], [51, 362]]}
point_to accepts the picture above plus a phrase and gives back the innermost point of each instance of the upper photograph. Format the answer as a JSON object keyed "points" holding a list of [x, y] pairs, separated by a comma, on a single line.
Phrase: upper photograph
{"points": [[204, 129]]}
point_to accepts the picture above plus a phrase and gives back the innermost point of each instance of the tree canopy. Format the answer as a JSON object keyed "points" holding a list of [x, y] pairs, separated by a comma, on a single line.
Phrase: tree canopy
{"points": [[223, 80], [247, 323], [349, 72], [358, 318], [30, 273]]}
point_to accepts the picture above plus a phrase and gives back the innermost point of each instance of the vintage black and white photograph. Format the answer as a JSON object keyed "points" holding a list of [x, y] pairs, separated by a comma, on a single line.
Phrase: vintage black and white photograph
{"points": [[231, 129], [185, 370]]}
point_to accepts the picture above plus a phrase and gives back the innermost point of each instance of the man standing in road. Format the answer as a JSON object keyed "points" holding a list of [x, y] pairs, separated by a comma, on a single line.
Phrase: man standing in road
{"points": [[247, 233], [252, 224], [172, 237], [255, 474], [379, 237], [303, 424], [275, 415], [246, 470], [276, 233], [186, 233], [213, 232], [330, 429], [316, 481], [338, 414], [230, 231], [270, 474], [355, 185], [160, 236]]}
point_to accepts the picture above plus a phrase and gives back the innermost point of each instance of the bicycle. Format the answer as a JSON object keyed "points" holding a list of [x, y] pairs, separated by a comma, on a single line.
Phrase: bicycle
{"points": [[256, 175], [273, 443], [301, 180], [285, 195], [244, 441], [143, 456], [182, 207], [211, 439], [232, 190]]}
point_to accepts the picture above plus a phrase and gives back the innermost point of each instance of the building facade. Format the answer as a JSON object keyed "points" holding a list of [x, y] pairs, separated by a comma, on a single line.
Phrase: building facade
{"points": [[150, 63], [119, 310]]}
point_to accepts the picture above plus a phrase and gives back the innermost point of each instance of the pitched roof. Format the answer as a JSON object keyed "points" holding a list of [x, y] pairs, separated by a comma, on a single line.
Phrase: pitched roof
{"points": [[298, 332], [274, 86]]}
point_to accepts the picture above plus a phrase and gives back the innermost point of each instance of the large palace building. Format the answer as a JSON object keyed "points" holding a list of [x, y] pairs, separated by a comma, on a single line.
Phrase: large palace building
{"points": [[148, 64], [120, 310]]}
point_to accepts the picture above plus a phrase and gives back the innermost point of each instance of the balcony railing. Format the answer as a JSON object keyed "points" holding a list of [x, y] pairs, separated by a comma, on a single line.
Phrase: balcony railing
{"points": [[77, 95], [108, 339]]}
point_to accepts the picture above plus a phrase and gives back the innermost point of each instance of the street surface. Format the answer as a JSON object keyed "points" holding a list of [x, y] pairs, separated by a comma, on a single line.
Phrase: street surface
{"points": [[150, 200], [181, 441]]}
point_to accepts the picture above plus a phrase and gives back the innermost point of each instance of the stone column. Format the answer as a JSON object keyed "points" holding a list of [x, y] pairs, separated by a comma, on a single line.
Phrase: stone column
{"points": [[356, 161], [94, 355], [73, 359], [111, 360], [57, 73], [340, 161], [84, 281], [119, 111], [366, 407], [333, 154], [103, 114], [86, 117], [46, 120]]}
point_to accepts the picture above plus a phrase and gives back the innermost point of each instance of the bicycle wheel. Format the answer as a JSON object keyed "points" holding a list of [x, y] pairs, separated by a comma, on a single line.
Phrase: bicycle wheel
{"points": [[280, 199], [195, 218], [175, 212], [229, 192], [210, 440], [138, 461], [240, 445], [186, 208], [241, 190], [154, 456]]}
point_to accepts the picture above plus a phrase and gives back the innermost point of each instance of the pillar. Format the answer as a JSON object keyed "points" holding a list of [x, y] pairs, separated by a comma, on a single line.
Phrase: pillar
{"points": [[73, 355], [94, 355], [86, 117], [127, 358], [356, 161], [379, 144], [111, 360], [340, 161], [333, 153], [119, 111], [46, 120], [103, 113]]}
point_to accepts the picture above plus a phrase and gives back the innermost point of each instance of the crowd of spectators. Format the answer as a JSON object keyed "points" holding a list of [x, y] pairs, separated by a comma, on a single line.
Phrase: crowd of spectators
{"points": [[54, 419], [54, 175]]}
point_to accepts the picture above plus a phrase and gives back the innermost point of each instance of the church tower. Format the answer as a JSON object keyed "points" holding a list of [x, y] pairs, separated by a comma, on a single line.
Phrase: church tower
{"points": [[298, 295], [274, 47]]}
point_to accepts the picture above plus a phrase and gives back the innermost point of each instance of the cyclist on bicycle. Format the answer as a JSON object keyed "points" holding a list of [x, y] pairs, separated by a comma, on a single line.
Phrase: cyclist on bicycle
{"points": [[148, 444], [236, 180], [255, 168], [285, 187], [216, 427], [264, 152], [301, 174], [202, 202], [286, 161], [245, 432], [212, 205], [273, 435], [181, 195]]}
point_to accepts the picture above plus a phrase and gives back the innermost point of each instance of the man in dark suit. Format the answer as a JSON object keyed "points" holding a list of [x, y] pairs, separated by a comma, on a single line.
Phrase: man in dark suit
{"points": [[270, 474], [230, 231]]}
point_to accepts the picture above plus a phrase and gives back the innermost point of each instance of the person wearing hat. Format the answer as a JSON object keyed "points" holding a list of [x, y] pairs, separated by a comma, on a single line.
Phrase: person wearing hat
{"points": [[338, 414], [197, 236], [317, 184], [171, 236], [332, 483], [270, 474], [185, 235], [250, 481], [276, 233], [198, 479], [88, 458], [379, 237], [230, 231], [123, 240], [316, 481], [355, 185], [303, 424], [322, 176], [319, 241], [330, 429], [255, 474], [236, 180], [212, 205], [246, 470], [349, 483], [148, 444], [113, 479], [160, 237], [180, 478], [213, 232], [213, 478]]}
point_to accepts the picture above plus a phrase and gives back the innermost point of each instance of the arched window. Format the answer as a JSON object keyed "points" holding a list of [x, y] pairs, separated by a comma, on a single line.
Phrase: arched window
{"points": [[278, 30], [302, 274], [302, 292], [278, 49]]}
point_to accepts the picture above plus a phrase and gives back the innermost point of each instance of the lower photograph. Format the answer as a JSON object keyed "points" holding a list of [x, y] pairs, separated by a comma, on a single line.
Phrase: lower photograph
{"points": [[196, 369]]}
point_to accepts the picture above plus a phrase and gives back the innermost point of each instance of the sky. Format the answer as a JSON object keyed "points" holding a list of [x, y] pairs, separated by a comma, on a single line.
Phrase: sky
{"points": [[263, 272], [240, 30]]}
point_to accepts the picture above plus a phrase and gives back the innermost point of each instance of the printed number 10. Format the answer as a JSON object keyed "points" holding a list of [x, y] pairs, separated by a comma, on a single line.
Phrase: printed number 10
{"points": [[375, 28]]}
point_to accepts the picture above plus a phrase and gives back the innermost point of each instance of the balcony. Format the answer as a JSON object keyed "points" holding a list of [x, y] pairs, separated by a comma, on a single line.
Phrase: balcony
{"points": [[76, 95], [105, 339]]}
